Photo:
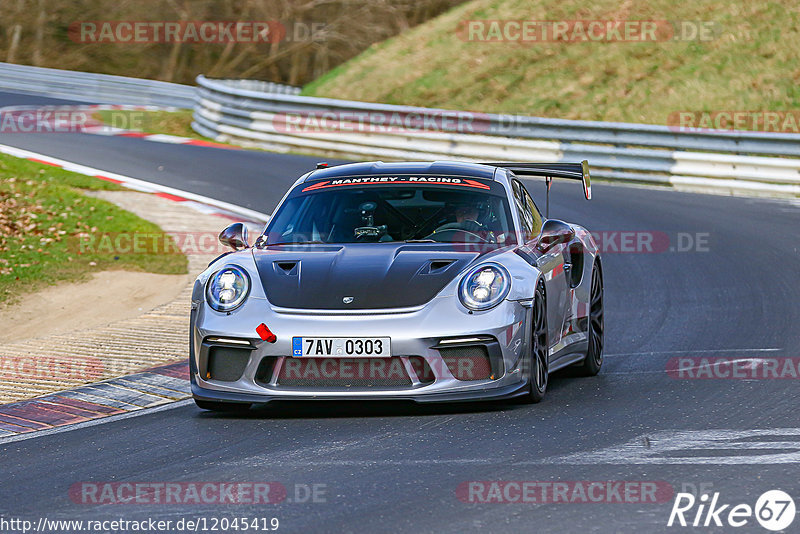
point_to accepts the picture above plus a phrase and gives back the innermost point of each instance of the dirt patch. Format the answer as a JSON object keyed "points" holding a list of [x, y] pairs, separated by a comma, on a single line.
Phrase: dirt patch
{"points": [[109, 296]]}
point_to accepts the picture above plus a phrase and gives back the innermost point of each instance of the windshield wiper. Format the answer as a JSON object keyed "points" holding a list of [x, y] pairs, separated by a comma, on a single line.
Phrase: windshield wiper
{"points": [[421, 241]]}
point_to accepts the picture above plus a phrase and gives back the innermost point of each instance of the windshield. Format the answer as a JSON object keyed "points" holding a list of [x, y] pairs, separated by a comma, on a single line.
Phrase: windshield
{"points": [[336, 212]]}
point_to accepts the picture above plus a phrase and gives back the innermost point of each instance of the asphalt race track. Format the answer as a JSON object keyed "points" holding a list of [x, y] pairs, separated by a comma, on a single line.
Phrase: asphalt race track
{"points": [[397, 468]]}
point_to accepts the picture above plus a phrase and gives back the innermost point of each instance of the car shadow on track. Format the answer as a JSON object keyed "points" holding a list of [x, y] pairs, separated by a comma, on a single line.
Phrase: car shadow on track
{"points": [[327, 409]]}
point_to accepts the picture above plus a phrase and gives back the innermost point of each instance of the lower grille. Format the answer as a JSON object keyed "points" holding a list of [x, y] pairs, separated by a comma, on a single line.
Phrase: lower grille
{"points": [[343, 373], [468, 362], [227, 364]]}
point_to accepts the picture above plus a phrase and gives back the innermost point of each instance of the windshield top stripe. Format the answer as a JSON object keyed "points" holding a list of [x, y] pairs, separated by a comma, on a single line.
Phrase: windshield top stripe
{"points": [[327, 184]]}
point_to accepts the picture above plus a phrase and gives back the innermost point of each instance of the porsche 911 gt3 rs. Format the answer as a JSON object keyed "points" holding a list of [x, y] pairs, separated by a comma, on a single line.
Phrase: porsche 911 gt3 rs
{"points": [[431, 282]]}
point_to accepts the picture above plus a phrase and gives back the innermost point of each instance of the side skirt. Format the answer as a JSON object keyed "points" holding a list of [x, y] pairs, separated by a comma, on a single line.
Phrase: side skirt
{"points": [[569, 355]]}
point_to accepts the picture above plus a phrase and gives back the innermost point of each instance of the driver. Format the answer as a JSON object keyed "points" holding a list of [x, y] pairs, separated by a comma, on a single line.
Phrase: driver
{"points": [[467, 215]]}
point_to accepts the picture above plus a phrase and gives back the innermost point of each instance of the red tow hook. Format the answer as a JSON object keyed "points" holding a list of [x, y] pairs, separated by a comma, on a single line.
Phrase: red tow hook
{"points": [[266, 334]]}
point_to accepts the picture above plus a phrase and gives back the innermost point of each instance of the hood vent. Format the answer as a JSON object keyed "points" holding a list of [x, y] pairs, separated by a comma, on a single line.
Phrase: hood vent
{"points": [[436, 266], [287, 267]]}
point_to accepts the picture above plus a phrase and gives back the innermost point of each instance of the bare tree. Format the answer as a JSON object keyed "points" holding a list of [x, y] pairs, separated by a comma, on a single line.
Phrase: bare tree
{"points": [[319, 35]]}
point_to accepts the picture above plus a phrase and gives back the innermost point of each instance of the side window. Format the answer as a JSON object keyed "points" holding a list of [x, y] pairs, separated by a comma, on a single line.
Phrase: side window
{"points": [[525, 215], [536, 216]]}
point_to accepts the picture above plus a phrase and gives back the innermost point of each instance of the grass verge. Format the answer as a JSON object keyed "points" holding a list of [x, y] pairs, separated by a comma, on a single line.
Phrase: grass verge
{"points": [[153, 122], [43, 217]]}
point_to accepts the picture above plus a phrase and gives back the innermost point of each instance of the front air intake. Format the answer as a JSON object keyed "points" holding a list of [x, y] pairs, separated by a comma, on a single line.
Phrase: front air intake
{"points": [[343, 373], [227, 364], [467, 363]]}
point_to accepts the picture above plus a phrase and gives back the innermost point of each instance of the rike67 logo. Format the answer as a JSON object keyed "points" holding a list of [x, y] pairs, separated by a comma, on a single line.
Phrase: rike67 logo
{"points": [[774, 510]]}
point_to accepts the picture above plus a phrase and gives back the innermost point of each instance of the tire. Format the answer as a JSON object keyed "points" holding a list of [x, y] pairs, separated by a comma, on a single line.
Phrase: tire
{"points": [[216, 406], [594, 354], [538, 357]]}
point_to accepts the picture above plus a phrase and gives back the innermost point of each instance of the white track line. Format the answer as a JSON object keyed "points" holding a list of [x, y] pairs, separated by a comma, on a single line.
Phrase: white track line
{"points": [[691, 447], [700, 351]]}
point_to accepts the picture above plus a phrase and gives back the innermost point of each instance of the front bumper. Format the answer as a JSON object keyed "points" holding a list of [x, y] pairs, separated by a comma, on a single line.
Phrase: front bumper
{"points": [[502, 393], [425, 368]]}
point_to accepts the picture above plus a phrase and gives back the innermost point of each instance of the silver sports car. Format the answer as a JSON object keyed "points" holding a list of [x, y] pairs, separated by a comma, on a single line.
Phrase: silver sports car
{"points": [[431, 282]]}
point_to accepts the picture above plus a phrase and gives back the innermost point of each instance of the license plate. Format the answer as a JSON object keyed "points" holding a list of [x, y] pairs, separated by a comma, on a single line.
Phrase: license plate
{"points": [[322, 347]]}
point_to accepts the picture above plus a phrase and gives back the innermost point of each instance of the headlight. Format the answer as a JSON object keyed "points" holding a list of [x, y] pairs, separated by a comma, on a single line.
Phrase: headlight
{"points": [[484, 286], [228, 288]]}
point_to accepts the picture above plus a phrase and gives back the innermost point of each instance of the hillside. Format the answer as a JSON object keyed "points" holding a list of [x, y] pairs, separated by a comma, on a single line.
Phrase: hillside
{"points": [[748, 62]]}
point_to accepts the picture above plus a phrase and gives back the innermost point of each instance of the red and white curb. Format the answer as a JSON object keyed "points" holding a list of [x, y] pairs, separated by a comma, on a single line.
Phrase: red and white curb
{"points": [[198, 202], [158, 138], [151, 388]]}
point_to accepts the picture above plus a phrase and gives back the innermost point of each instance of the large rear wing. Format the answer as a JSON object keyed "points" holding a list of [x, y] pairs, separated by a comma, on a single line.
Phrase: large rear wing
{"points": [[571, 171]]}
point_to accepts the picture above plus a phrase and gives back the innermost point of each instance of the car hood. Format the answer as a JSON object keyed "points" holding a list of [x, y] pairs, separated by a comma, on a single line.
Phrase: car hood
{"points": [[375, 275]]}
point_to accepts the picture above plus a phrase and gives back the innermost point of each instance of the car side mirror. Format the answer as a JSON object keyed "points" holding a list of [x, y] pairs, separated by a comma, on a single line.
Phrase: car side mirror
{"points": [[234, 236], [554, 232]]}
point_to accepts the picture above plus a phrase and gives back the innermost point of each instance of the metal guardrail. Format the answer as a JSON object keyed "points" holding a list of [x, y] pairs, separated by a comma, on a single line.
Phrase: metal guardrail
{"points": [[261, 114], [243, 112], [94, 88], [107, 89], [259, 86]]}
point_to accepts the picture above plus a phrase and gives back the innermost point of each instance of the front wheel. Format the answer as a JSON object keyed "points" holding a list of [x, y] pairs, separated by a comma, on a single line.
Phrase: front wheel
{"points": [[594, 354], [538, 361]]}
